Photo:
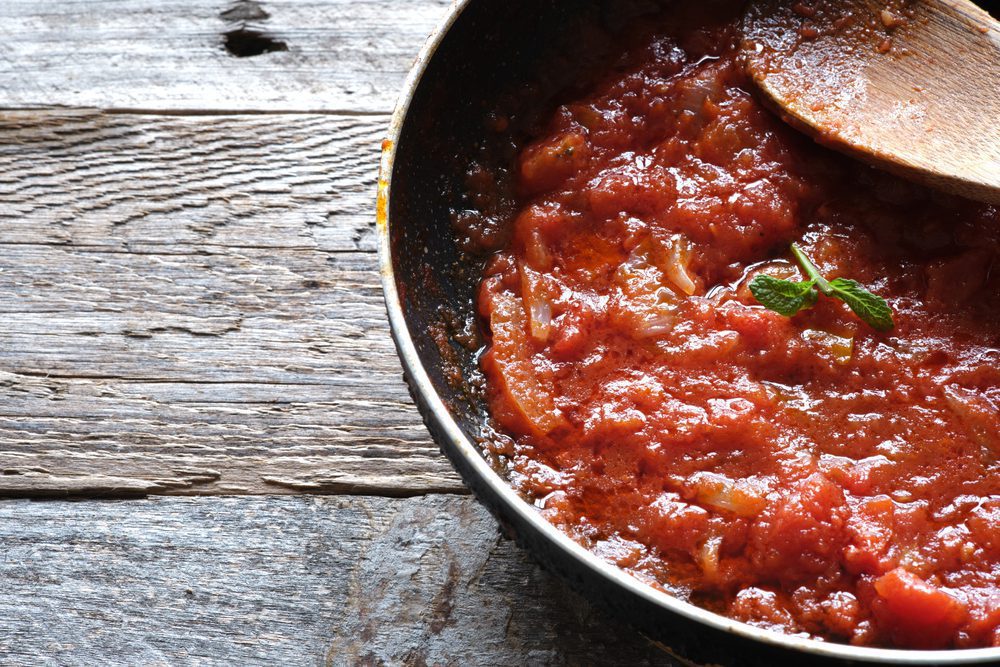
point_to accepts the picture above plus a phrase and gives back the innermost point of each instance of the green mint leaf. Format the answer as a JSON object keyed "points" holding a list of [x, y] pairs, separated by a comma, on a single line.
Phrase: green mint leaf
{"points": [[784, 297], [788, 297], [871, 308]]}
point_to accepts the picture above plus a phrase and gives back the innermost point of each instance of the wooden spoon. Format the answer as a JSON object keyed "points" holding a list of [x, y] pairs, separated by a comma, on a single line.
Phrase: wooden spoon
{"points": [[911, 86]]}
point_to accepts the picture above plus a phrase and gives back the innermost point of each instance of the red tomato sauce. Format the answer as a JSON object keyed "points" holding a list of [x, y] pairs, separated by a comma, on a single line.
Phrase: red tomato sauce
{"points": [[807, 474]]}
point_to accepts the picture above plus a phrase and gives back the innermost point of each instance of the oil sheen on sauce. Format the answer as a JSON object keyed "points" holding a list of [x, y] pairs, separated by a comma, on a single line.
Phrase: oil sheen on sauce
{"points": [[806, 474]]}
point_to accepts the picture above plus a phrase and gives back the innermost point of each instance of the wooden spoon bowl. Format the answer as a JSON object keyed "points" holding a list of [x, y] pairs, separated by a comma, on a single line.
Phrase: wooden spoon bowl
{"points": [[909, 86]]}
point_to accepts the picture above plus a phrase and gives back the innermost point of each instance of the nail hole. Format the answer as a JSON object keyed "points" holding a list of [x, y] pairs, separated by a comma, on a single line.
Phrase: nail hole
{"points": [[245, 43]]}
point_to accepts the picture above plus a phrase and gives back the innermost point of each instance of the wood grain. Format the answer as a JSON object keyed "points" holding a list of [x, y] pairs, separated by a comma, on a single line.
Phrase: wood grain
{"points": [[912, 88], [342, 55], [192, 305], [335, 581], [135, 183]]}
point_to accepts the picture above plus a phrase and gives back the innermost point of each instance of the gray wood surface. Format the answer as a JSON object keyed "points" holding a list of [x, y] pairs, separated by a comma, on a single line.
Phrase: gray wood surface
{"points": [[192, 305], [342, 55], [189, 305], [287, 580]]}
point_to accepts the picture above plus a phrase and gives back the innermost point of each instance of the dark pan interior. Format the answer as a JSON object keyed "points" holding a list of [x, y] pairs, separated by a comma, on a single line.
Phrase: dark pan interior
{"points": [[515, 59]]}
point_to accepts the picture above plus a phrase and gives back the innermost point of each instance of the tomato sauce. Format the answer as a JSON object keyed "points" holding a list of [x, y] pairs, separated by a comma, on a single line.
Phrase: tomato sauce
{"points": [[807, 474]]}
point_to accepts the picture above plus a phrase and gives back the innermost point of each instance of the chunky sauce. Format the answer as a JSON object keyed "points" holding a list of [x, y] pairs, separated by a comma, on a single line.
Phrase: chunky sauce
{"points": [[807, 474]]}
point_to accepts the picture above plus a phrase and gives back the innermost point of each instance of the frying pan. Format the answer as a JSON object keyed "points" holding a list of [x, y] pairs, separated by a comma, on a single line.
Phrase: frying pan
{"points": [[520, 57]]}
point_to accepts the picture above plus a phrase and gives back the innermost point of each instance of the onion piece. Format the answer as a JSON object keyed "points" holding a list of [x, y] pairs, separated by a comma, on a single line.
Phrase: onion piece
{"points": [[654, 325], [676, 258], [708, 557], [531, 392], [841, 348], [720, 492], [644, 306], [536, 250], [692, 93], [536, 303]]}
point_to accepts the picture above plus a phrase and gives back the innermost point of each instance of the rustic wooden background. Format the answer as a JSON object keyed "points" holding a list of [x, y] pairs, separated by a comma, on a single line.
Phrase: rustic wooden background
{"points": [[207, 452]]}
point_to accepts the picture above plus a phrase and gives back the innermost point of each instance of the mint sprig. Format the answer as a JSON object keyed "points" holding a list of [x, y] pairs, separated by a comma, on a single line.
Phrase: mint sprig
{"points": [[788, 297]]}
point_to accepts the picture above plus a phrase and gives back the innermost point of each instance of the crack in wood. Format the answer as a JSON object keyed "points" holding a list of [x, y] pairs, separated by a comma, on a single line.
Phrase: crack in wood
{"points": [[444, 602], [247, 43], [203, 328], [389, 486], [30, 483]]}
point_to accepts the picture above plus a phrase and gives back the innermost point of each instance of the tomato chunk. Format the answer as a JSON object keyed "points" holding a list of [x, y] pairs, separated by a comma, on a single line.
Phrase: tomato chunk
{"points": [[916, 613]]}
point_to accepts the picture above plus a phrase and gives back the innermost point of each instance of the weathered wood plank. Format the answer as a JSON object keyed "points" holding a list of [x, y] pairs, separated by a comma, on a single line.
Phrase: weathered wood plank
{"points": [[142, 182], [171, 55], [287, 580], [191, 305]]}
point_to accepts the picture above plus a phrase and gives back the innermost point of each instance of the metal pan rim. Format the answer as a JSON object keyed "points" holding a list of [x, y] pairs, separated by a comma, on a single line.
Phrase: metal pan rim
{"points": [[460, 446]]}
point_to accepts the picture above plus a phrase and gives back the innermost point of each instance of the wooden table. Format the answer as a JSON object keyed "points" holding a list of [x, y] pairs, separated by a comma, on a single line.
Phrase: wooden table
{"points": [[195, 364]]}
